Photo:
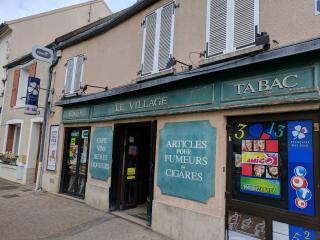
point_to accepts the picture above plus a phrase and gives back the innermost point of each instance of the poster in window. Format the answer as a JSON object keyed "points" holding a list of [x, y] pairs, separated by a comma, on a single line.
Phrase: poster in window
{"points": [[53, 148], [300, 167], [276, 162], [259, 174]]}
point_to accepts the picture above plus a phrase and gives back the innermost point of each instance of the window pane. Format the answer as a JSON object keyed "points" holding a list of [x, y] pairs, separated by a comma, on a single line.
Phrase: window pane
{"points": [[22, 88], [272, 164], [318, 5], [17, 140], [259, 169]]}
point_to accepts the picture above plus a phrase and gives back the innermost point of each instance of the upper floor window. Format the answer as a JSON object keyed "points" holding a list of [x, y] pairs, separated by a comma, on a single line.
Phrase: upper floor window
{"points": [[74, 74], [158, 40], [317, 7], [231, 25], [20, 83]]}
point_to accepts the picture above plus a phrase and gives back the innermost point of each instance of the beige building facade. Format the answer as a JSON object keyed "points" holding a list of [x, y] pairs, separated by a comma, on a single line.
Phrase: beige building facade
{"points": [[21, 133], [190, 115]]}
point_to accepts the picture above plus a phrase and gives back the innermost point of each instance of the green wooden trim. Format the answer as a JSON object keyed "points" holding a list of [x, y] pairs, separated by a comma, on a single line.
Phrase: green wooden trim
{"points": [[276, 86]]}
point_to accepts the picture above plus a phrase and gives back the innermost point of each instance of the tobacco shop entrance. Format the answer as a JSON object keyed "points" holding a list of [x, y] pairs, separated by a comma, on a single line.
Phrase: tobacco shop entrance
{"points": [[273, 177], [132, 175]]}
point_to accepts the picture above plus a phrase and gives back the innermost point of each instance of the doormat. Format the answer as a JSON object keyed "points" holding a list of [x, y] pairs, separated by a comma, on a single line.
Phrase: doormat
{"points": [[10, 196], [142, 216]]}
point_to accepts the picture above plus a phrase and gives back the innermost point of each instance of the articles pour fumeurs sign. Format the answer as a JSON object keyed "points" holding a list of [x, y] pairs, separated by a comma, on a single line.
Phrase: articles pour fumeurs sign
{"points": [[186, 160]]}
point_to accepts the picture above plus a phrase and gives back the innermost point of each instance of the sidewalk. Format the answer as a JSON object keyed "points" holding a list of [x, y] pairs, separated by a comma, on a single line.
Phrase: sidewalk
{"points": [[27, 214]]}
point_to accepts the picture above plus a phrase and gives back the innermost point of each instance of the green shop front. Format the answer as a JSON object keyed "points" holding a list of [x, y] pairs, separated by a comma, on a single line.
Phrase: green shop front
{"points": [[227, 152]]}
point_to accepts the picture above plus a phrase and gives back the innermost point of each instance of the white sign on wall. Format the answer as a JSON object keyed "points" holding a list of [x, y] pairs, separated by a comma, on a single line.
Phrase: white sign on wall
{"points": [[53, 148]]}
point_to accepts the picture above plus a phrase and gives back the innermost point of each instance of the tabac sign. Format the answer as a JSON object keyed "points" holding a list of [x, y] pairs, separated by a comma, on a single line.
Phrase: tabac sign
{"points": [[277, 84], [187, 159]]}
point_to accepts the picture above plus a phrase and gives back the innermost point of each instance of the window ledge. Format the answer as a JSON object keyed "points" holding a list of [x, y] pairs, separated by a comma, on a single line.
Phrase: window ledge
{"points": [[155, 75], [18, 107], [70, 95], [232, 55], [5, 165]]}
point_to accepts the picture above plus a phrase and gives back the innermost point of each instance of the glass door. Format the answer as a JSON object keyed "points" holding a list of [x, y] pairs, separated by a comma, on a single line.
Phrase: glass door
{"points": [[75, 162], [129, 169]]}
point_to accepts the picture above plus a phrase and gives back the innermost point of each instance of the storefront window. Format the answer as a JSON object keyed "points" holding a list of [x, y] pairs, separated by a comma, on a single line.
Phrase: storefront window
{"points": [[273, 164]]}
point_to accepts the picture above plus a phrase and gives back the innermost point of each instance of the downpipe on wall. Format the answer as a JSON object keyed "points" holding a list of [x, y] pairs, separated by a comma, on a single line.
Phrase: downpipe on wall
{"points": [[45, 120]]}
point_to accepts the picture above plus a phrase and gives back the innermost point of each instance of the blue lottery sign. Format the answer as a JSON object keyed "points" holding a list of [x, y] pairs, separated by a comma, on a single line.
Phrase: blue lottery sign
{"points": [[32, 97], [186, 160], [300, 167], [101, 153], [298, 233]]}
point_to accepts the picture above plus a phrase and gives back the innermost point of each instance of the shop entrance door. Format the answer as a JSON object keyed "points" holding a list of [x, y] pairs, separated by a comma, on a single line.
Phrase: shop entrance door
{"points": [[74, 173], [133, 169]]}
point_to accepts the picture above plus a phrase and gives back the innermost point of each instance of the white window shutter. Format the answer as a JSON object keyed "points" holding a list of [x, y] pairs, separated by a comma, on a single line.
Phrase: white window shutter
{"points": [[69, 76], [166, 36], [148, 50], [216, 27], [78, 74], [244, 23]]}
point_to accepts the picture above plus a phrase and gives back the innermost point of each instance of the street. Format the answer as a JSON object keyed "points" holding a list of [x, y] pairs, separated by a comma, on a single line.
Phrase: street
{"points": [[28, 214]]}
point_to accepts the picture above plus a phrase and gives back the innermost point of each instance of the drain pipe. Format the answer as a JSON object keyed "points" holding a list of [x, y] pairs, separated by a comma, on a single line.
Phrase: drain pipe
{"points": [[45, 120]]}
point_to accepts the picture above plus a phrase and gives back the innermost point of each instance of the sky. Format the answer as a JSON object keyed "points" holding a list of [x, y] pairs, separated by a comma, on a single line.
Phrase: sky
{"points": [[13, 9]]}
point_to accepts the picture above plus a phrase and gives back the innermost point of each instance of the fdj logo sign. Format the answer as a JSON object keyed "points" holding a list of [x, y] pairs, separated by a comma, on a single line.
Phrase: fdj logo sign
{"points": [[300, 184], [299, 132], [300, 167]]}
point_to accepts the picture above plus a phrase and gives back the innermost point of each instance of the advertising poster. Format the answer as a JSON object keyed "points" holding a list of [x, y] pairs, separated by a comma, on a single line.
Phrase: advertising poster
{"points": [[300, 167], [187, 160], [32, 96], [301, 233], [101, 153], [260, 186], [259, 158], [53, 148]]}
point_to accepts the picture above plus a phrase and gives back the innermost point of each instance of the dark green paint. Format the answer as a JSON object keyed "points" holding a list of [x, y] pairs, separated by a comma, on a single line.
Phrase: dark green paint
{"points": [[186, 161], [221, 91], [101, 153]]}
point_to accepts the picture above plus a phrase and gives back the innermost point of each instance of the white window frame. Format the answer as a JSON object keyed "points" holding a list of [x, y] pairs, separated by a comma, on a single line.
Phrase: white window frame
{"points": [[22, 93], [74, 70], [157, 38], [315, 8], [230, 25]]}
